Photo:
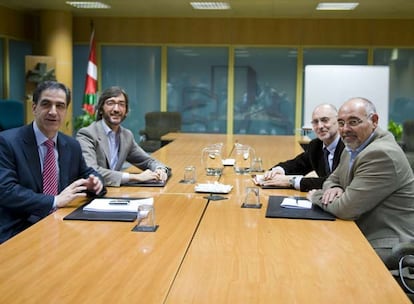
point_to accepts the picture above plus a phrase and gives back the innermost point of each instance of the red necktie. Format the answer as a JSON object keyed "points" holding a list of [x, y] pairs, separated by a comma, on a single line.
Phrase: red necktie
{"points": [[50, 178]]}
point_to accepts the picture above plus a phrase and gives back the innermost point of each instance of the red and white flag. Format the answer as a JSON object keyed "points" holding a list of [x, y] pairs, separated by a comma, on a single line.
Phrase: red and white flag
{"points": [[91, 82]]}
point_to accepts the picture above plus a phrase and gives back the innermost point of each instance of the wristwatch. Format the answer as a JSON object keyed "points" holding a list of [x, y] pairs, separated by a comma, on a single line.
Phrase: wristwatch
{"points": [[292, 181], [165, 169]]}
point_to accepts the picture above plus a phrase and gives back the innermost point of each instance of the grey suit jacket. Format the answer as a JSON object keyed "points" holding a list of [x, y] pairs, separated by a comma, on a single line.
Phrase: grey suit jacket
{"points": [[378, 192], [95, 149]]}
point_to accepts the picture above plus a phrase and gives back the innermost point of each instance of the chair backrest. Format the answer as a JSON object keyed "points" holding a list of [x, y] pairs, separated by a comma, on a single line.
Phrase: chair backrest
{"points": [[408, 135], [159, 123], [11, 114]]}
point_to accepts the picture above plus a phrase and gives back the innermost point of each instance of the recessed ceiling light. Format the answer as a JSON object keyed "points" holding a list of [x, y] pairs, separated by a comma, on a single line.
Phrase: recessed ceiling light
{"points": [[88, 4], [210, 5], [337, 6]]}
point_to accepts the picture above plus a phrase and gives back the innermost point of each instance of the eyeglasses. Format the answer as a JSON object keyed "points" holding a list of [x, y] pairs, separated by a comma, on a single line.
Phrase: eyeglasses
{"points": [[112, 103], [323, 120], [353, 122]]}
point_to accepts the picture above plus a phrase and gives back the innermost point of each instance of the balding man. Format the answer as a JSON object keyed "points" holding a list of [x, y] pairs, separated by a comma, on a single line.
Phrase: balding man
{"points": [[373, 183], [322, 155]]}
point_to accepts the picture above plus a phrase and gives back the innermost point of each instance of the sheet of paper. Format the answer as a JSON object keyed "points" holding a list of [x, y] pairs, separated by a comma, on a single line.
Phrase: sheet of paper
{"points": [[228, 161], [258, 179], [293, 202], [117, 205], [213, 187]]}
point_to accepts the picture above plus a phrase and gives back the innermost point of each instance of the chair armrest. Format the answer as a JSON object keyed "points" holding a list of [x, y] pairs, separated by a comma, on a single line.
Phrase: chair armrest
{"points": [[142, 135], [398, 251], [402, 145]]}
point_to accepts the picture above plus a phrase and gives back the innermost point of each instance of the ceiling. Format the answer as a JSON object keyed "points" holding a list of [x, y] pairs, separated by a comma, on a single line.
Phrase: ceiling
{"points": [[375, 9]]}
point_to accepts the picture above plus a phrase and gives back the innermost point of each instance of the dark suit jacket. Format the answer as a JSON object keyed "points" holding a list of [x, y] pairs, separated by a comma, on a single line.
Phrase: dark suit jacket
{"points": [[22, 202], [311, 160]]}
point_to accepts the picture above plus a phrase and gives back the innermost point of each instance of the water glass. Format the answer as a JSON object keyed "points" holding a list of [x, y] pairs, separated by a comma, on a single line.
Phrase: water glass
{"points": [[252, 198], [189, 175], [146, 218], [257, 165]]}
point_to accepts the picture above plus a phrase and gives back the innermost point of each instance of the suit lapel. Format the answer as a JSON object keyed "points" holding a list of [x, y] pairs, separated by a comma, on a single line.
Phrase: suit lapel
{"points": [[64, 161], [122, 148], [103, 141], [337, 155], [31, 154]]}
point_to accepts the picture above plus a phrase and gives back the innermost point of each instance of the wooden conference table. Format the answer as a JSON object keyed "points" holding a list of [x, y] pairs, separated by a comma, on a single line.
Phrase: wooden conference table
{"points": [[204, 251]]}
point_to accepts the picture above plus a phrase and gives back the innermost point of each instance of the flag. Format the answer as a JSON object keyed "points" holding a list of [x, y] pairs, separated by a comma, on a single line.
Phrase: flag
{"points": [[89, 98]]}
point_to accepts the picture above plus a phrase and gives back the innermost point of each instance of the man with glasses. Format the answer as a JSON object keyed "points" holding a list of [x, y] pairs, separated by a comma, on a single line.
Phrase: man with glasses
{"points": [[321, 156], [373, 183], [106, 145], [42, 169]]}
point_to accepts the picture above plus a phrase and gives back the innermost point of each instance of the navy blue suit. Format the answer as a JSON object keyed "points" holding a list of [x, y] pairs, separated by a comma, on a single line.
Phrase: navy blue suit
{"points": [[22, 202]]}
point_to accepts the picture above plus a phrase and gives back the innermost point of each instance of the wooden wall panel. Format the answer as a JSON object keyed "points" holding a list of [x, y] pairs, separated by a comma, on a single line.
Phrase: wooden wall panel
{"points": [[18, 25], [245, 31]]}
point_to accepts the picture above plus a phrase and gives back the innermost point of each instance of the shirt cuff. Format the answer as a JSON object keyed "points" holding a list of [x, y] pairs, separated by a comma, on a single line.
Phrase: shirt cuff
{"points": [[279, 169], [125, 177], [297, 182], [165, 169]]}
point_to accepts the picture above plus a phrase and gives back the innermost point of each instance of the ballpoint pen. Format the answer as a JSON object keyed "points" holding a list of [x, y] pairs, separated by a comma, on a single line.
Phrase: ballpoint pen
{"points": [[118, 202]]}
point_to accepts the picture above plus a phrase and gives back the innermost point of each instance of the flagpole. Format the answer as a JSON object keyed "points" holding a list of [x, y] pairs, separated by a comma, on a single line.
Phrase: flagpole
{"points": [[91, 85], [89, 100]]}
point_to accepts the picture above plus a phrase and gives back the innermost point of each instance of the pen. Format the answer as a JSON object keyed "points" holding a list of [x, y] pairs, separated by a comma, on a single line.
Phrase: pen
{"points": [[119, 202]]}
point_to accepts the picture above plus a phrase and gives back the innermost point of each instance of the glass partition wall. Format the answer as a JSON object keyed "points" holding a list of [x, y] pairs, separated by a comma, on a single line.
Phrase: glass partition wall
{"points": [[401, 63], [254, 90]]}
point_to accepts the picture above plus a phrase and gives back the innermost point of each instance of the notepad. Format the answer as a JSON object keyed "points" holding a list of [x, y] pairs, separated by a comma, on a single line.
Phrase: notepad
{"points": [[115, 205], [298, 203], [213, 188]]}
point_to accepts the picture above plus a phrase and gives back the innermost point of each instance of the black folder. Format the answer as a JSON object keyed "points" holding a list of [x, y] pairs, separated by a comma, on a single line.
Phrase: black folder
{"points": [[80, 214], [274, 187], [274, 210]]}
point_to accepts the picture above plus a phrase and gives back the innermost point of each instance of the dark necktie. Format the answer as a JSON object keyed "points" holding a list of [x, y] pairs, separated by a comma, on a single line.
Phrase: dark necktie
{"points": [[326, 160], [50, 178]]}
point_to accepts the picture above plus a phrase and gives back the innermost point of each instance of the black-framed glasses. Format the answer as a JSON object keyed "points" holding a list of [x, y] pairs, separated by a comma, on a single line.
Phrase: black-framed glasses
{"points": [[323, 120], [353, 122], [112, 103]]}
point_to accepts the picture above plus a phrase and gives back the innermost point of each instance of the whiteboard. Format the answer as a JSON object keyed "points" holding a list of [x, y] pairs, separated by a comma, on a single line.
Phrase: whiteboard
{"points": [[335, 84]]}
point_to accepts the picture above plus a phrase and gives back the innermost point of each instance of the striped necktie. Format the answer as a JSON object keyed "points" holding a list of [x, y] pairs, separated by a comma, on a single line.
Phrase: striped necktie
{"points": [[50, 178]]}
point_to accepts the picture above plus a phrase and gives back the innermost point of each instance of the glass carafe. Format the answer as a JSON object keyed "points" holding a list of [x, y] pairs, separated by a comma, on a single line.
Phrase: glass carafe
{"points": [[212, 160], [243, 157]]}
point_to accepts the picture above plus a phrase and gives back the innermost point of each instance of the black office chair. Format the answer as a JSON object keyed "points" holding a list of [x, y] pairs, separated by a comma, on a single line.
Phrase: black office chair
{"points": [[158, 124], [401, 265], [11, 114]]}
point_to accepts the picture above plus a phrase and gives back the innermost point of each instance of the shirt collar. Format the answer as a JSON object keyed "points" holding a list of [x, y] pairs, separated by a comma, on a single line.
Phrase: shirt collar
{"points": [[332, 147], [107, 129], [40, 137], [355, 152]]}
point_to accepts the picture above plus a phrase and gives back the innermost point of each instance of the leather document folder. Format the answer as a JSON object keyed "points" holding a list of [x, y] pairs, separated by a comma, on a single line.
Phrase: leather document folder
{"points": [[274, 210], [82, 215]]}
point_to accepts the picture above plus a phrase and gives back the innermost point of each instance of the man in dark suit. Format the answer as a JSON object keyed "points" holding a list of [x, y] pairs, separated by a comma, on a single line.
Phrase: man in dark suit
{"points": [[315, 158], [23, 198]]}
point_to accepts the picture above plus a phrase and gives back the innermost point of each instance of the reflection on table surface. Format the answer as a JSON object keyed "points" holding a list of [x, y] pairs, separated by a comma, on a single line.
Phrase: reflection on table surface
{"points": [[204, 251]]}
